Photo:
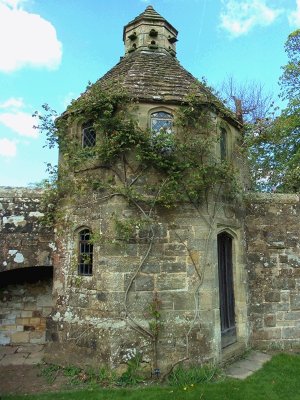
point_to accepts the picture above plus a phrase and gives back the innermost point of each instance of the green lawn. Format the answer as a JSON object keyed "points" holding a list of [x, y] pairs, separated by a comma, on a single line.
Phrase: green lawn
{"points": [[279, 379]]}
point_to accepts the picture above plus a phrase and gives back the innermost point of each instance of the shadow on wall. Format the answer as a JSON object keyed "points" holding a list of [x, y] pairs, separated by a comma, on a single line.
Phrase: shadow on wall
{"points": [[25, 302]]}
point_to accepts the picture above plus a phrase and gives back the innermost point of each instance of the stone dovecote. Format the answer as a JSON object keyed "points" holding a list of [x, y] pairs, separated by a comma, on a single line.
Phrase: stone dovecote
{"points": [[105, 310], [101, 317]]}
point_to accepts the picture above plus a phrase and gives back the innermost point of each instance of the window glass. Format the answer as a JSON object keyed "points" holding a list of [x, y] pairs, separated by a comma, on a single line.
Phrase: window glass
{"points": [[88, 135], [85, 256], [161, 120]]}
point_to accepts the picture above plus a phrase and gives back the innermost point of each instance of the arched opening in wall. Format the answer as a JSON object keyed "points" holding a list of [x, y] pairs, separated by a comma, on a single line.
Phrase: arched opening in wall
{"points": [[223, 145], [25, 303], [226, 289], [85, 252]]}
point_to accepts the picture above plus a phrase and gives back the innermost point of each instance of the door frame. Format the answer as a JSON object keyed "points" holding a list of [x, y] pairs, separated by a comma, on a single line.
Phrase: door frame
{"points": [[225, 243]]}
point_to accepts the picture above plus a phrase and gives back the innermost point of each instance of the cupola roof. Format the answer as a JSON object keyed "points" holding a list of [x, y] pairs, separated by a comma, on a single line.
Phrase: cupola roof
{"points": [[150, 15], [150, 30]]}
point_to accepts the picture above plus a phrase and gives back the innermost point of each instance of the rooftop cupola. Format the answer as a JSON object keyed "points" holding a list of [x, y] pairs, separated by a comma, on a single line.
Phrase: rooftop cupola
{"points": [[150, 31]]}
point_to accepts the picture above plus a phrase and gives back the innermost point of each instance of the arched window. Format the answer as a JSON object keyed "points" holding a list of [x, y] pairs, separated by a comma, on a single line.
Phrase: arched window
{"points": [[88, 135], [223, 144], [85, 253], [161, 121]]}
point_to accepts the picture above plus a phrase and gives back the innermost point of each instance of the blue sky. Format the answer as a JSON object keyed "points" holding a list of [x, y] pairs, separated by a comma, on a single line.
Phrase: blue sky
{"points": [[51, 49]]}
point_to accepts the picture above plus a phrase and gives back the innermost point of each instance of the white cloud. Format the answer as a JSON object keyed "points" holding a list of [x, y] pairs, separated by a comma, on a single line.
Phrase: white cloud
{"points": [[239, 17], [27, 39], [8, 148], [13, 115], [20, 122], [294, 16], [12, 103]]}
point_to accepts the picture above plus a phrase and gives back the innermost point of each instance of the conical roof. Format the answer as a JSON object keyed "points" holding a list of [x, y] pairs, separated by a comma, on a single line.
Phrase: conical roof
{"points": [[150, 76]]}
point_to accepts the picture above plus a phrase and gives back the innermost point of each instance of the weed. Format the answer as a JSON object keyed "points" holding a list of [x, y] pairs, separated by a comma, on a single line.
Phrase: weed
{"points": [[246, 353], [277, 379], [106, 377], [188, 376], [132, 375], [50, 372], [103, 376], [75, 374]]}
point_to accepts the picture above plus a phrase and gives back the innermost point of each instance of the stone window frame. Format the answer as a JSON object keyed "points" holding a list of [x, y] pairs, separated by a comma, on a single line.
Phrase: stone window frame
{"points": [[85, 252], [225, 141], [88, 135], [165, 110], [223, 144]]}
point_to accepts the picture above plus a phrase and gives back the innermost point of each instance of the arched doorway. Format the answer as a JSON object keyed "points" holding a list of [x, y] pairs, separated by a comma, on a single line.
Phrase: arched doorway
{"points": [[226, 289]]}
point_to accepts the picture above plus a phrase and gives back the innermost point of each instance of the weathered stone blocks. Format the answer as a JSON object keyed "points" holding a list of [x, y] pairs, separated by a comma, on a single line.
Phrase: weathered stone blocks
{"points": [[274, 298], [25, 326], [175, 281], [107, 312], [25, 241]]}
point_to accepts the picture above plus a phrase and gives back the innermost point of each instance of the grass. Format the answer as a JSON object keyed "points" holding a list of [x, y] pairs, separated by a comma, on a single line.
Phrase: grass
{"points": [[189, 377], [279, 379]]}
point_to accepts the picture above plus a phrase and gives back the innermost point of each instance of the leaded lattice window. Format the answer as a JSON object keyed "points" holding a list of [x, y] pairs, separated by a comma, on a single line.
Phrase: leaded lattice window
{"points": [[161, 121], [88, 135], [85, 253]]}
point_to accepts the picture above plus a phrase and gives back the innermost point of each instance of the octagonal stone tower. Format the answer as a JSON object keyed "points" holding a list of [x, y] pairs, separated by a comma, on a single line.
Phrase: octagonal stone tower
{"points": [[104, 291]]}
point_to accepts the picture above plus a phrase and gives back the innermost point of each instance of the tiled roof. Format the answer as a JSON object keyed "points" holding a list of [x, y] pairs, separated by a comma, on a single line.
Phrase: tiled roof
{"points": [[157, 77], [153, 76]]}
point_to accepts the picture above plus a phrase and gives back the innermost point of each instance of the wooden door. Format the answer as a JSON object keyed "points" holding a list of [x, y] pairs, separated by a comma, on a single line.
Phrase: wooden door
{"points": [[226, 292]]}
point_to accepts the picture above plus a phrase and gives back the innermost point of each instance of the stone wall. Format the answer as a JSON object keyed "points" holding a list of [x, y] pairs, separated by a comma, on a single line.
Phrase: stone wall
{"points": [[24, 241], [273, 252], [24, 308], [99, 319]]}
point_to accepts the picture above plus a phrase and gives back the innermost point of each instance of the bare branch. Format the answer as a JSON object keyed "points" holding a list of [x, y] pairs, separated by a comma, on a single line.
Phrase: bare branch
{"points": [[249, 100]]}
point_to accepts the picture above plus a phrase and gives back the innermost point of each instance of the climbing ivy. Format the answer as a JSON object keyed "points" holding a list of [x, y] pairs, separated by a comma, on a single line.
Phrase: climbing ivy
{"points": [[147, 170], [185, 163]]}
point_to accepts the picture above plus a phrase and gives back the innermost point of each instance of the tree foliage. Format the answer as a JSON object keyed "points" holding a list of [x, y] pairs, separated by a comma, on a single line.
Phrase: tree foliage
{"points": [[273, 140], [290, 79], [284, 135]]}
